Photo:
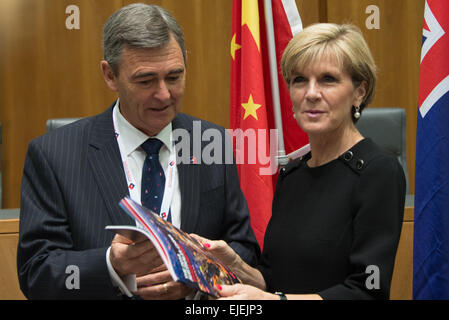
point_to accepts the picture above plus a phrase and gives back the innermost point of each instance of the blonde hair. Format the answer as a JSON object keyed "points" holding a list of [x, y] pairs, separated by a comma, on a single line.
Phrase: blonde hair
{"points": [[344, 43]]}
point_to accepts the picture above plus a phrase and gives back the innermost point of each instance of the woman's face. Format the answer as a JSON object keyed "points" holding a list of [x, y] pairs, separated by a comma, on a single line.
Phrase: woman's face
{"points": [[323, 95]]}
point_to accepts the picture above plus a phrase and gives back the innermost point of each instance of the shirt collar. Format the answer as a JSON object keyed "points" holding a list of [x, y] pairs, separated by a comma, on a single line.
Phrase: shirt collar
{"points": [[132, 137]]}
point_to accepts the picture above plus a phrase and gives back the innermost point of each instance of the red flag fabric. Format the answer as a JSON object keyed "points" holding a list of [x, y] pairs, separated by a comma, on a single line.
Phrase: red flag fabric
{"points": [[285, 16], [251, 107]]}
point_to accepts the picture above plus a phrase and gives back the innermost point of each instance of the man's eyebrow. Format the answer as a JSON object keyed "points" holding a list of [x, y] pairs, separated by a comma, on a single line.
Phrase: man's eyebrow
{"points": [[176, 71], [139, 75]]}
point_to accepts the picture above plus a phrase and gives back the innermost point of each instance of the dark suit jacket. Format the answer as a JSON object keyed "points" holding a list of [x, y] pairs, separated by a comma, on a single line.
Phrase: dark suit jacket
{"points": [[72, 182]]}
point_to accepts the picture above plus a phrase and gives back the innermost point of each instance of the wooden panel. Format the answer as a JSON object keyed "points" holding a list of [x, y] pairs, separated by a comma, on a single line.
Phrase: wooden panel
{"points": [[402, 282], [396, 47], [9, 288], [309, 10], [409, 214], [207, 31], [48, 71], [9, 226]]}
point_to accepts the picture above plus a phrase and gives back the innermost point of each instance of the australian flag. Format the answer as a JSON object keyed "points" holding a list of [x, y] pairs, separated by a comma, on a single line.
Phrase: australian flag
{"points": [[431, 234]]}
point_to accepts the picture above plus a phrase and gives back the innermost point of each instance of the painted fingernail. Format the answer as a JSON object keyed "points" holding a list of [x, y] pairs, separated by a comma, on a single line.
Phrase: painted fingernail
{"points": [[207, 245], [218, 287]]}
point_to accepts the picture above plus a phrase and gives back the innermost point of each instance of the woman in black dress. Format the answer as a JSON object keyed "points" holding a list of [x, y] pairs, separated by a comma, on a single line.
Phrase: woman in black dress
{"points": [[337, 212]]}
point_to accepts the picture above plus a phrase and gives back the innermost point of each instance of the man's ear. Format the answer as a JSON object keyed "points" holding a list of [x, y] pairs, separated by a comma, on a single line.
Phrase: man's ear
{"points": [[109, 76]]}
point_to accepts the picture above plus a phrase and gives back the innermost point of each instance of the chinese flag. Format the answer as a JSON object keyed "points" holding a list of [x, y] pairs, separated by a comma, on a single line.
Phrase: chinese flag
{"points": [[251, 105]]}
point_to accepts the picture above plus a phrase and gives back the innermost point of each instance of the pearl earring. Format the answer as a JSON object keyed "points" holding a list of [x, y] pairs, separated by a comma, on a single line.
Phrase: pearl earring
{"points": [[357, 112]]}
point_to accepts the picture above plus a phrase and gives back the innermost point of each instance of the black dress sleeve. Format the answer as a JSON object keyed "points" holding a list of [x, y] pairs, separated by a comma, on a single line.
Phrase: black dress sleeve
{"points": [[380, 198]]}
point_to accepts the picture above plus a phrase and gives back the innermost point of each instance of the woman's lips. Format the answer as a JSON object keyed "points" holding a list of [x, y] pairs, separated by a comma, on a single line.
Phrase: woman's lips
{"points": [[314, 113]]}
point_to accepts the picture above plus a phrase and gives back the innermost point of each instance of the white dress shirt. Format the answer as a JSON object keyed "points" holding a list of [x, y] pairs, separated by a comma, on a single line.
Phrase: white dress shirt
{"points": [[133, 157]]}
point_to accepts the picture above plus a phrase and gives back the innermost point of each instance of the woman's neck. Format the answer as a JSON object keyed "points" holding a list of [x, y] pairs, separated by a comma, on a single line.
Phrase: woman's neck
{"points": [[326, 148]]}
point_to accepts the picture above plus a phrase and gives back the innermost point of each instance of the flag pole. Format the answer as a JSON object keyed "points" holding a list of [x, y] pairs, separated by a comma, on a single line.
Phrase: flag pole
{"points": [[282, 159]]}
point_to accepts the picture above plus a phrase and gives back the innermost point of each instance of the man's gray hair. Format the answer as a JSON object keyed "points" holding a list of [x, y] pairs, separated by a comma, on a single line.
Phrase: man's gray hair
{"points": [[139, 26]]}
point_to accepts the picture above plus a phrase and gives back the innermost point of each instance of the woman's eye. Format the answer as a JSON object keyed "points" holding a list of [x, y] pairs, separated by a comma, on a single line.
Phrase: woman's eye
{"points": [[298, 79], [329, 79]]}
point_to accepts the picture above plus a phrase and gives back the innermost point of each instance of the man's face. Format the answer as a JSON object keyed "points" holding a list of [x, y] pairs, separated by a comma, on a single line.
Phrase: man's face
{"points": [[150, 85]]}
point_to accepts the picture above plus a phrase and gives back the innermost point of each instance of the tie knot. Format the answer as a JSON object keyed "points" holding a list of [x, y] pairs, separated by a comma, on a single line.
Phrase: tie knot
{"points": [[152, 146]]}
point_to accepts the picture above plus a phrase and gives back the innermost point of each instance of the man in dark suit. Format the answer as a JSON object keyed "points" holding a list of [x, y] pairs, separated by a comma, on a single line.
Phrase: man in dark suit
{"points": [[75, 176]]}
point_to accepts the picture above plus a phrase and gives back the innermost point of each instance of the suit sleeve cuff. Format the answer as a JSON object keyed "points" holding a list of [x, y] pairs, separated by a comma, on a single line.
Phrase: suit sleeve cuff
{"points": [[126, 285]]}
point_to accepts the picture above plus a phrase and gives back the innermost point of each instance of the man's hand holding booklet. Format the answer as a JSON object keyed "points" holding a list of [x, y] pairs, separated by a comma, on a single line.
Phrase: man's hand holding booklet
{"points": [[183, 255]]}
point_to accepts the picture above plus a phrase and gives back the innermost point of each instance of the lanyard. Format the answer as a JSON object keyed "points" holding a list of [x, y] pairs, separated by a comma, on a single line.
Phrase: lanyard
{"points": [[169, 179]]}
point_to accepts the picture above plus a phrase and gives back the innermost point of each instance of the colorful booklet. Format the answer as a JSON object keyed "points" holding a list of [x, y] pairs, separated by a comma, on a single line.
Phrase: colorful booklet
{"points": [[183, 255]]}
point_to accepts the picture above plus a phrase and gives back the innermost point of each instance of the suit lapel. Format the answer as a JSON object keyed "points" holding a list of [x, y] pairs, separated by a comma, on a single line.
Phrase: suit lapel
{"points": [[106, 163], [189, 180]]}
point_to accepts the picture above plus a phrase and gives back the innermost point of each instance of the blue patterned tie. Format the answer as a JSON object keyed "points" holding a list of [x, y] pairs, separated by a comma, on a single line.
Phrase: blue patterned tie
{"points": [[153, 177]]}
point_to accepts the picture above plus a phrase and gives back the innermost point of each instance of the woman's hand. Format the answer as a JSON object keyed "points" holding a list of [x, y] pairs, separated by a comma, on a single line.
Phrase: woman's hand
{"points": [[247, 292], [229, 257], [244, 292], [221, 250]]}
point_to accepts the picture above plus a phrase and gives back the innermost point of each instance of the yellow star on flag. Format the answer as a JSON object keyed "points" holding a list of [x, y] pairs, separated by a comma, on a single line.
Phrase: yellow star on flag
{"points": [[234, 47], [250, 108], [250, 17]]}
